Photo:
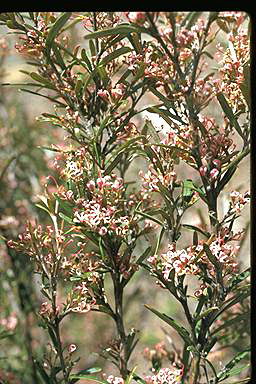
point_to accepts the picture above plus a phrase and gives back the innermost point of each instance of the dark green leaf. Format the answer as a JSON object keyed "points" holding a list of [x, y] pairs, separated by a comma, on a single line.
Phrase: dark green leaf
{"points": [[123, 29], [194, 228], [113, 164], [144, 255], [115, 54], [181, 330], [86, 59], [228, 371], [213, 259], [239, 278], [88, 378], [54, 31], [228, 323], [43, 373], [229, 113], [245, 86]]}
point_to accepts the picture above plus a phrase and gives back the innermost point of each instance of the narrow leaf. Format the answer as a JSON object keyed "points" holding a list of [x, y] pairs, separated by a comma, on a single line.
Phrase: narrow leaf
{"points": [[55, 29], [181, 330], [229, 113], [115, 54], [85, 377], [120, 29], [144, 255], [226, 371]]}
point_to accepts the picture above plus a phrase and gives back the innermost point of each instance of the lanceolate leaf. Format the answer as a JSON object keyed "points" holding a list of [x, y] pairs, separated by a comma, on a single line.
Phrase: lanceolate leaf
{"points": [[123, 29], [54, 31], [228, 370], [85, 377], [239, 278], [115, 54], [181, 330], [229, 113]]}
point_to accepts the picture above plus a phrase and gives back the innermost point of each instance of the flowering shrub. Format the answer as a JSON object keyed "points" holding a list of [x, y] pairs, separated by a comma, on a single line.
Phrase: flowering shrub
{"points": [[108, 224]]}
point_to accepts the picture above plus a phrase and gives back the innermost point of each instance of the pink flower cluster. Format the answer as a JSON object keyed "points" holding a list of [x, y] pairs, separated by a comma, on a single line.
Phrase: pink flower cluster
{"points": [[233, 60], [115, 379], [238, 200], [153, 177], [183, 261], [102, 213], [112, 94], [10, 322], [165, 376]]}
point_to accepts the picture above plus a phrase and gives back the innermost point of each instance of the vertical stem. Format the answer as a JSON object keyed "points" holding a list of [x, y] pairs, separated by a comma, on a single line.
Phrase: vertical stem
{"points": [[195, 370], [56, 327], [118, 293]]}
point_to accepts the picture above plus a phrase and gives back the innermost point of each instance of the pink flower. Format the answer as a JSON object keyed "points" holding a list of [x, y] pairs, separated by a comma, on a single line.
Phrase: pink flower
{"points": [[136, 17], [214, 174], [203, 170], [103, 231], [72, 348], [103, 93]]}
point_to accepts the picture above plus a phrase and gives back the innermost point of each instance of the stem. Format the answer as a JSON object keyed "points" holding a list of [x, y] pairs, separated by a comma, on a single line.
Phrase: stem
{"points": [[195, 370], [118, 293], [56, 329]]}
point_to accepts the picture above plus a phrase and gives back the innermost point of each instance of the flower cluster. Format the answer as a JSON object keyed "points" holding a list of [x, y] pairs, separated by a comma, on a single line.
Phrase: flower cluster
{"points": [[153, 177], [115, 379], [102, 213], [10, 322], [233, 60], [80, 299], [166, 376], [187, 261], [44, 246], [238, 200]]}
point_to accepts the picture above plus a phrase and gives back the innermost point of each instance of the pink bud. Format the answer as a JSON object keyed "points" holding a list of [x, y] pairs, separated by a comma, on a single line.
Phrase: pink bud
{"points": [[103, 231], [91, 185], [214, 174], [203, 170], [217, 163], [71, 348]]}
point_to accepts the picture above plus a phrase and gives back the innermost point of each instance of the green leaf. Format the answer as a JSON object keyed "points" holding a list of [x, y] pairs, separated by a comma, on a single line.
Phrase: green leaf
{"points": [[231, 322], [149, 217], [35, 76], [181, 330], [230, 302], [115, 54], [187, 190], [165, 114], [213, 259], [194, 228], [123, 29], [245, 86], [113, 164], [54, 30], [144, 255], [86, 59], [66, 205], [239, 278], [229, 369], [229, 113], [39, 367], [66, 218], [87, 378]]}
